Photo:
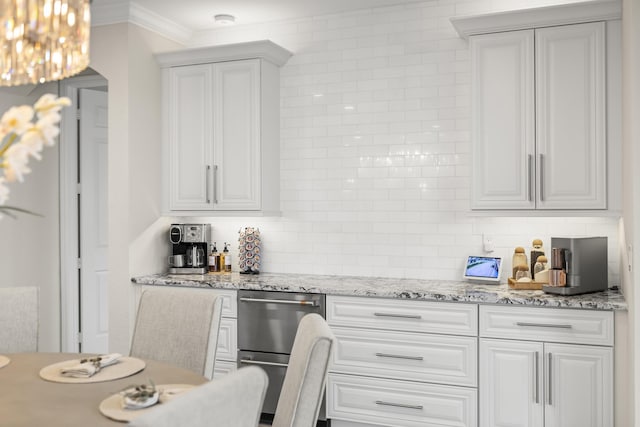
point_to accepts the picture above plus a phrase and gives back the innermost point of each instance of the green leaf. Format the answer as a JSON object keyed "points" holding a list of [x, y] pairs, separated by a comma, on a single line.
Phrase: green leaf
{"points": [[12, 210]]}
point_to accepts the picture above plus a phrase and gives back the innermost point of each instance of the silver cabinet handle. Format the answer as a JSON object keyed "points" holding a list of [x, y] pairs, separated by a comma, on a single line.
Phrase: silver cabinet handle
{"points": [[549, 386], [399, 405], [215, 184], [279, 301], [530, 171], [402, 316], [541, 177], [545, 325], [206, 182], [258, 362], [399, 356], [536, 356]]}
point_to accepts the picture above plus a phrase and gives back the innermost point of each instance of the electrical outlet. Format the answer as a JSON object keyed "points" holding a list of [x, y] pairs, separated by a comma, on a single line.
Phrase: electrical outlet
{"points": [[487, 243]]}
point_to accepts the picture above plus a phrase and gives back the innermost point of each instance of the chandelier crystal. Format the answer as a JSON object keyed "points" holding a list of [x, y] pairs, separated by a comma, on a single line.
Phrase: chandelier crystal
{"points": [[43, 40]]}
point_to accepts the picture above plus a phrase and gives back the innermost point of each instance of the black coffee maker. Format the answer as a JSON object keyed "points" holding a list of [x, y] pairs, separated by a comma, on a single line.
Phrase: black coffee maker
{"points": [[188, 248]]}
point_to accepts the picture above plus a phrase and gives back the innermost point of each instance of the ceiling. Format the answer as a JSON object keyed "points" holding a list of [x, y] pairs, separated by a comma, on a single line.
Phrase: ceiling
{"points": [[197, 15]]}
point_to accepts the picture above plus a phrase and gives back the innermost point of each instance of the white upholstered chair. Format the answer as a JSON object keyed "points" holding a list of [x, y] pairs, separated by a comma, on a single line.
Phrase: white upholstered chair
{"points": [[178, 326], [18, 319], [234, 400], [303, 388]]}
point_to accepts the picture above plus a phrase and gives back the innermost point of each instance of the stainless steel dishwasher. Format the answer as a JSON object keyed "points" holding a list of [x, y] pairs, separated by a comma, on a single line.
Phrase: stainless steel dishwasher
{"points": [[267, 325]]}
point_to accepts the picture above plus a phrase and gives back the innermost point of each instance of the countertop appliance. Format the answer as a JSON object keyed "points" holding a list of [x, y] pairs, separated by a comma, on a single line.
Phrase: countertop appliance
{"points": [[583, 263], [188, 248], [267, 325]]}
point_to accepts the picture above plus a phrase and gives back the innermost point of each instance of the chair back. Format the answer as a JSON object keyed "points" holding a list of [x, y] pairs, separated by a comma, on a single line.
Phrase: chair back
{"points": [[303, 388], [234, 400], [178, 326], [18, 319]]}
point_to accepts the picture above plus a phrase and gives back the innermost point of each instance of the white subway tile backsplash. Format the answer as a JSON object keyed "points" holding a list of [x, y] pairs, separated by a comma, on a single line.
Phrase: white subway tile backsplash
{"points": [[376, 147]]}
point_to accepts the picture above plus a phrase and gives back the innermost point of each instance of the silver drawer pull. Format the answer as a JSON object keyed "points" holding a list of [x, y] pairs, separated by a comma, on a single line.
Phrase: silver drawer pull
{"points": [[258, 362], [398, 405], [279, 301], [399, 356], [544, 325], [402, 316]]}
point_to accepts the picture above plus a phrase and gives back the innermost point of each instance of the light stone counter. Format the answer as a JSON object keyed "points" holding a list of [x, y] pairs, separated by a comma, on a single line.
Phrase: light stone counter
{"points": [[431, 290]]}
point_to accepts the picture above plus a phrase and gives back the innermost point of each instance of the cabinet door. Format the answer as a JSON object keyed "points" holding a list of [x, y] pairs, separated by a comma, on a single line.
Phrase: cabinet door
{"points": [[237, 153], [503, 120], [190, 114], [570, 116], [511, 388], [579, 386]]}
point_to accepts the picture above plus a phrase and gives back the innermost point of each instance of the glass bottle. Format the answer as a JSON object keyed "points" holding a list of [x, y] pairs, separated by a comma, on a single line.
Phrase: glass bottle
{"points": [[519, 259], [536, 251], [540, 265], [523, 273], [213, 258], [227, 258]]}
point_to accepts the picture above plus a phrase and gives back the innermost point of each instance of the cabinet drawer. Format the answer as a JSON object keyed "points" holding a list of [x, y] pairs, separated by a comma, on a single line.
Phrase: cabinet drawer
{"points": [[396, 403], [547, 324], [227, 340], [403, 315], [404, 355]]}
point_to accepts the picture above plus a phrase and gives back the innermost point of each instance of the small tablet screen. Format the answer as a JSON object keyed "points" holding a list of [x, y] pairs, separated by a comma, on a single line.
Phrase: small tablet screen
{"points": [[483, 269]]}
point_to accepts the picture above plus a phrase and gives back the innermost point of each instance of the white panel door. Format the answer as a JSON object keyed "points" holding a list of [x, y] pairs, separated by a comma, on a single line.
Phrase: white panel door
{"points": [[510, 384], [237, 154], [570, 116], [503, 120], [579, 386], [190, 115], [93, 221]]}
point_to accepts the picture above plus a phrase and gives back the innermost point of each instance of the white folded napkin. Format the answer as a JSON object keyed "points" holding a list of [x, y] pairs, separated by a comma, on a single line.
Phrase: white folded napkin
{"points": [[90, 366]]}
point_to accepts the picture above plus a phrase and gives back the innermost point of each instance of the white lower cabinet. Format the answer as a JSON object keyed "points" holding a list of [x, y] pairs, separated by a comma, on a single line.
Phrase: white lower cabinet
{"points": [[540, 383], [402, 363], [386, 402]]}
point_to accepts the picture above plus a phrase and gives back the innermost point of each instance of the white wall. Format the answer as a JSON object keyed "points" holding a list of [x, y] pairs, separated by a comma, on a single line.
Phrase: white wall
{"points": [[123, 55], [30, 245], [631, 219], [375, 148]]}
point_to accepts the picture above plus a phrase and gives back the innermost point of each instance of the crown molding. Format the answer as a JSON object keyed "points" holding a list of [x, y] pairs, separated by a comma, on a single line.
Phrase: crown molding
{"points": [[263, 49], [108, 12], [572, 13]]}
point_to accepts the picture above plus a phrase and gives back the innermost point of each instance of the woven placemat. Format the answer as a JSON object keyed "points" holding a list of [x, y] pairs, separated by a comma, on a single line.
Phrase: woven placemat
{"points": [[125, 367]]}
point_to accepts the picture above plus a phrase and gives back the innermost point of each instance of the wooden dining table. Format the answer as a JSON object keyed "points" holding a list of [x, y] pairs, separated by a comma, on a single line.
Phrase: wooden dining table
{"points": [[26, 400]]}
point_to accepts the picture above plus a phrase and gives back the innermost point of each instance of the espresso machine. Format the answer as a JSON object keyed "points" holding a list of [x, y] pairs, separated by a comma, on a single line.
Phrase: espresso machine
{"points": [[188, 248], [578, 265]]}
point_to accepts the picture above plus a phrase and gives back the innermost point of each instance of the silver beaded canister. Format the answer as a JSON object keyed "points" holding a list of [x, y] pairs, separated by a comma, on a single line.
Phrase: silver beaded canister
{"points": [[249, 250]]}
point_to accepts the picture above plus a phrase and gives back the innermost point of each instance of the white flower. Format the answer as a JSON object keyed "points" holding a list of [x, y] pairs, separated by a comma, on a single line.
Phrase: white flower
{"points": [[4, 191], [49, 103], [16, 162], [47, 126], [21, 138], [16, 120], [33, 141]]}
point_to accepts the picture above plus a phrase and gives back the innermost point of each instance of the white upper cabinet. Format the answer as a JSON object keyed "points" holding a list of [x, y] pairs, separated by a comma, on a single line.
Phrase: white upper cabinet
{"points": [[570, 117], [221, 129], [545, 108], [503, 120]]}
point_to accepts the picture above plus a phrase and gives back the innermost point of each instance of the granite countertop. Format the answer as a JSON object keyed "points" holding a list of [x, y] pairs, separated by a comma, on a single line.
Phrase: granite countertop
{"points": [[431, 290]]}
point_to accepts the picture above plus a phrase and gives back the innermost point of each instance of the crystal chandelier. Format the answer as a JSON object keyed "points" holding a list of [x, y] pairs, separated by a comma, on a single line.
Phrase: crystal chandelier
{"points": [[43, 40]]}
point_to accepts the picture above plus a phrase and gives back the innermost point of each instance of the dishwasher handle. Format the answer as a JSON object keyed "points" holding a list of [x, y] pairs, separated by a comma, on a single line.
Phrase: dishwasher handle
{"points": [[263, 363], [280, 301]]}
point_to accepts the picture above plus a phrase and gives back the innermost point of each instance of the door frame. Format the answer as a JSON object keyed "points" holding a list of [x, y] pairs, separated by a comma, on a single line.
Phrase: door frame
{"points": [[69, 220]]}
